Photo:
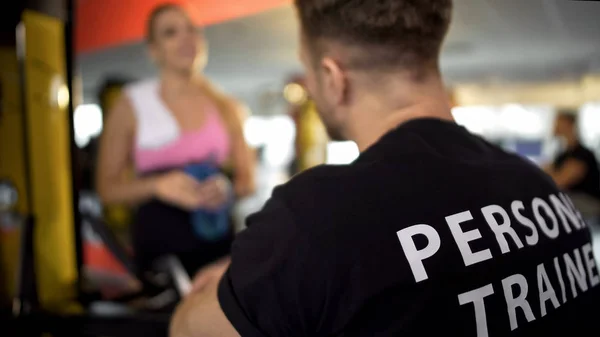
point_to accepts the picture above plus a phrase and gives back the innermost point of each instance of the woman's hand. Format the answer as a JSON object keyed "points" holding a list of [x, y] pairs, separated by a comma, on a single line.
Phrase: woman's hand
{"points": [[215, 192], [182, 190], [179, 189]]}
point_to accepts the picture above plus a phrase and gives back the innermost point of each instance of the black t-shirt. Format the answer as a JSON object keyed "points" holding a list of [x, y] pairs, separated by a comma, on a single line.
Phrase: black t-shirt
{"points": [[590, 184], [430, 232]]}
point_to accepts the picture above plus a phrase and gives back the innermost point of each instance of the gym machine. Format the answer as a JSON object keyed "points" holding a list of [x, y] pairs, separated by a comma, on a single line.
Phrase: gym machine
{"points": [[41, 216]]}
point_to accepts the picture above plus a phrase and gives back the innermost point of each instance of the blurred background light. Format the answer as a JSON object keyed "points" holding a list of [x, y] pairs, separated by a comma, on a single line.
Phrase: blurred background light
{"points": [[255, 130], [276, 134], [340, 153], [589, 125], [281, 133], [477, 119], [515, 119], [295, 94], [63, 96], [87, 123]]}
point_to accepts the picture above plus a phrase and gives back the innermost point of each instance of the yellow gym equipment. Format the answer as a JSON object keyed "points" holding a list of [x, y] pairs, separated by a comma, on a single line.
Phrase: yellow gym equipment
{"points": [[118, 216], [12, 169], [35, 152], [42, 287], [311, 136], [48, 124]]}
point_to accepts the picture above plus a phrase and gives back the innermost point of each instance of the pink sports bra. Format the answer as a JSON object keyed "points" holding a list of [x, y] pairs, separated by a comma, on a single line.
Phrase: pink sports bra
{"points": [[159, 142]]}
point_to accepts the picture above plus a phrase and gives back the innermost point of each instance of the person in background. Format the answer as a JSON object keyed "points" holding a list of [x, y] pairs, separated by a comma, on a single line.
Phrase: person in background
{"points": [[575, 169], [164, 127]]}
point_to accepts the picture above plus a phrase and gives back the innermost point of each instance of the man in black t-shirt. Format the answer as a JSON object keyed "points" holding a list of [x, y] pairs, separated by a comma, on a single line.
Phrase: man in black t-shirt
{"points": [[575, 169], [432, 231]]}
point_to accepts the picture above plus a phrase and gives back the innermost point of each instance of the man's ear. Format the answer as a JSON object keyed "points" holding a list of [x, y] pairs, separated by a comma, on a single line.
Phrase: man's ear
{"points": [[334, 80]]}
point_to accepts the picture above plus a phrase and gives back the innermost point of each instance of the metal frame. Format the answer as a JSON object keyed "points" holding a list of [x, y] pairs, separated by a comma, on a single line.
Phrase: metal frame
{"points": [[26, 298], [27, 311], [75, 167]]}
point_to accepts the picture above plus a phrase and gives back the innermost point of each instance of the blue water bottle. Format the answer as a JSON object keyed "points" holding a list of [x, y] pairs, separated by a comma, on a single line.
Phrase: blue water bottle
{"points": [[209, 225]]}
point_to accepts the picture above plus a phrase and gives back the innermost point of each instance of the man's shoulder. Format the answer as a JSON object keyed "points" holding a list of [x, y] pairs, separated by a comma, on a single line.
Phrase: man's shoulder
{"points": [[325, 179], [320, 172], [584, 153], [324, 189]]}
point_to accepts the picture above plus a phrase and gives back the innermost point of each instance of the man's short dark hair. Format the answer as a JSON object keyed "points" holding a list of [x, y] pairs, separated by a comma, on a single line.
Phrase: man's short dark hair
{"points": [[385, 33]]}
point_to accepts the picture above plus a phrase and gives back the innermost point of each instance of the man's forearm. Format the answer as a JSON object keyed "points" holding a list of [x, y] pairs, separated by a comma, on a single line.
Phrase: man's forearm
{"points": [[200, 315], [556, 178], [180, 325], [549, 169]]}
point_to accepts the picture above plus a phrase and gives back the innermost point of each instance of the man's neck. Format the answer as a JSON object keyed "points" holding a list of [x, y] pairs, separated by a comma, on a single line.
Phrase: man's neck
{"points": [[375, 116]]}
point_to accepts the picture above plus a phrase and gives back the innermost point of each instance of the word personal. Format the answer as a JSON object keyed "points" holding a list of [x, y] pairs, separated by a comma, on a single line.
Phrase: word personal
{"points": [[556, 278]]}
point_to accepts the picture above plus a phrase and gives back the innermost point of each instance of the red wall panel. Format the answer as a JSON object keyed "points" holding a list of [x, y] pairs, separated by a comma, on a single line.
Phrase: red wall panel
{"points": [[106, 23]]}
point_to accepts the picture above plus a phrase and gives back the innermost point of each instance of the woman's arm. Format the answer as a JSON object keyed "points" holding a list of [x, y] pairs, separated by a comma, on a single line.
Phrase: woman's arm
{"points": [[114, 159], [243, 157]]}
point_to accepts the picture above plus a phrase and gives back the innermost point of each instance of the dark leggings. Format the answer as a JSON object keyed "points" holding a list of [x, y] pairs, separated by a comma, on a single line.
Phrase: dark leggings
{"points": [[194, 261], [160, 230]]}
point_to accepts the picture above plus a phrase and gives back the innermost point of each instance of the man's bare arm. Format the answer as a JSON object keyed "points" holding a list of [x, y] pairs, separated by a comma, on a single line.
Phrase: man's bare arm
{"points": [[570, 173], [200, 315]]}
